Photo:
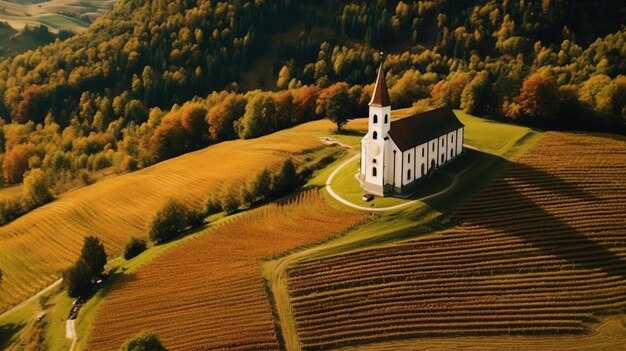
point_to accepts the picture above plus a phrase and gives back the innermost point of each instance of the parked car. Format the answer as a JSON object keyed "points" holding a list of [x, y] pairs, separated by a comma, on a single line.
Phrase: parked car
{"points": [[367, 197]]}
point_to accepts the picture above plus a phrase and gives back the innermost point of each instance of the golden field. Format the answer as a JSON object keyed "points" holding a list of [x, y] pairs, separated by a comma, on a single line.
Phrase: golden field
{"points": [[541, 251], [37, 247], [208, 294]]}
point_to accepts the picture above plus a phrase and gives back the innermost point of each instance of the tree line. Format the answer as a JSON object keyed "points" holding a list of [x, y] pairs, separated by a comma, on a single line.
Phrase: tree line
{"points": [[153, 80]]}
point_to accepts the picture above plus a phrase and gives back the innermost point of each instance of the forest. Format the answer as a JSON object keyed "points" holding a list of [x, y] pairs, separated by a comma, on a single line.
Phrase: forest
{"points": [[151, 80]]}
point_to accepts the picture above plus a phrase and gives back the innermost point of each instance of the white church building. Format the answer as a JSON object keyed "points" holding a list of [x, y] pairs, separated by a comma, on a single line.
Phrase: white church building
{"points": [[397, 155]]}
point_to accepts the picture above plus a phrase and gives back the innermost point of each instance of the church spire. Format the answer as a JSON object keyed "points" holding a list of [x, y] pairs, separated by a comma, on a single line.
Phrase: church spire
{"points": [[380, 97]]}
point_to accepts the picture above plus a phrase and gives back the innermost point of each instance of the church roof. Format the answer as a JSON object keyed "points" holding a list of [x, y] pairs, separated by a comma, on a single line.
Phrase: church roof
{"points": [[412, 131], [380, 97]]}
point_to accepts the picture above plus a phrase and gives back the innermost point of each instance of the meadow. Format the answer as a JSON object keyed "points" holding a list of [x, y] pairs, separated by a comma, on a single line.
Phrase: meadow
{"points": [[56, 14], [37, 247], [539, 251], [209, 293]]}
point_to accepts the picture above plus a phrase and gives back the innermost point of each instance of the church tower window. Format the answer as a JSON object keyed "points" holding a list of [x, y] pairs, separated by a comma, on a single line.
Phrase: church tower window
{"points": [[374, 135], [375, 118], [386, 119], [374, 172]]}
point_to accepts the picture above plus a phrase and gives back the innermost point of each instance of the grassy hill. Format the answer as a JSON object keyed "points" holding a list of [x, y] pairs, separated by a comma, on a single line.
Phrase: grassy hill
{"points": [[56, 15], [74, 15], [35, 248]]}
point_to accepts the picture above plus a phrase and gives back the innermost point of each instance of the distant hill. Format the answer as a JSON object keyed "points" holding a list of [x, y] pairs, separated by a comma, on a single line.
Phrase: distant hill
{"points": [[58, 16]]}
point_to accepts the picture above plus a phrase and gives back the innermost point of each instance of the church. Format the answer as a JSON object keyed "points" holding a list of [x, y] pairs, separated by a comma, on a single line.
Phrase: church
{"points": [[397, 155]]}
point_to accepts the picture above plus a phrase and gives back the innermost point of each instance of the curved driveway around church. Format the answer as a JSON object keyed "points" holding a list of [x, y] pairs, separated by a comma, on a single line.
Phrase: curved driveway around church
{"points": [[454, 178]]}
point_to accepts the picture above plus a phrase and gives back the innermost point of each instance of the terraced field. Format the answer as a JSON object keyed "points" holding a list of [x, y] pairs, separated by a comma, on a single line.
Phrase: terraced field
{"points": [[209, 294], [540, 250], [35, 248]]}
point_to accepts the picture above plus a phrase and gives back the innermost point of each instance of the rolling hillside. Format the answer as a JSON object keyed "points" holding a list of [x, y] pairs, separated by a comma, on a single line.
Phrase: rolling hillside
{"points": [[74, 15], [540, 250], [35, 248], [215, 297]]}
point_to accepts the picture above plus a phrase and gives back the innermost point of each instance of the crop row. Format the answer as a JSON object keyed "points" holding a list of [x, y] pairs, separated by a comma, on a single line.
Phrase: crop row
{"points": [[541, 249]]}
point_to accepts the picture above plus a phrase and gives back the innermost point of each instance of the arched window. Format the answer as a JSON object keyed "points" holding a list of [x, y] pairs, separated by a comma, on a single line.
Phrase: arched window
{"points": [[451, 153], [409, 155], [374, 172], [375, 118], [424, 149], [423, 169], [374, 161], [408, 174], [374, 135], [386, 119]]}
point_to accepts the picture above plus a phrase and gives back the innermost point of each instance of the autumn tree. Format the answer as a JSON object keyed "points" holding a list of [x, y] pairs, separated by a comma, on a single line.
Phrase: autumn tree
{"points": [[539, 98], [15, 162], [171, 220], [338, 107]]}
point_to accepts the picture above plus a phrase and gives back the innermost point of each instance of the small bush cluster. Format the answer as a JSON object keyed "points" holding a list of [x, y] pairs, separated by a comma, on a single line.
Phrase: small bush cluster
{"points": [[264, 187], [173, 219], [134, 247], [35, 192], [145, 341]]}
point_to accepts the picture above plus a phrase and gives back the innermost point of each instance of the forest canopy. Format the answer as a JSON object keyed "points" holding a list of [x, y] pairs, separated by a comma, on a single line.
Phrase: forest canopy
{"points": [[154, 79]]}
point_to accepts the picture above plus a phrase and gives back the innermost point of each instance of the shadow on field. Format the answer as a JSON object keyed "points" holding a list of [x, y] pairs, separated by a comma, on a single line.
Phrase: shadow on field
{"points": [[7, 332], [115, 280], [515, 213]]}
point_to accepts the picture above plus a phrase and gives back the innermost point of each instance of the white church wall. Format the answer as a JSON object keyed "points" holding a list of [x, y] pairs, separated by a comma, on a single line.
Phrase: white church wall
{"points": [[451, 151], [432, 153], [396, 166], [388, 160], [408, 167], [421, 160], [441, 154], [460, 140], [362, 169]]}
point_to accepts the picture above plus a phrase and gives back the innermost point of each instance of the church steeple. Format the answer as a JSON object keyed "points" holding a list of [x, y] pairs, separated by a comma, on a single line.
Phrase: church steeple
{"points": [[380, 97]]}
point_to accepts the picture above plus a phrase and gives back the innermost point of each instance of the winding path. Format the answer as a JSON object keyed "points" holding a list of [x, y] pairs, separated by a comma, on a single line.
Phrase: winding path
{"points": [[32, 298], [453, 177]]}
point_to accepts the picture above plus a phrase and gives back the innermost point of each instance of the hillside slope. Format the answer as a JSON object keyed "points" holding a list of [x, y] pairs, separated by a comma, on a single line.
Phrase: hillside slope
{"points": [[212, 286], [35, 248], [540, 250]]}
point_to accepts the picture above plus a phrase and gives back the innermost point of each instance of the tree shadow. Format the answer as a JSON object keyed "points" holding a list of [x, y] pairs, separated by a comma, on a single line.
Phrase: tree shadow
{"points": [[116, 279], [515, 213], [7, 332]]}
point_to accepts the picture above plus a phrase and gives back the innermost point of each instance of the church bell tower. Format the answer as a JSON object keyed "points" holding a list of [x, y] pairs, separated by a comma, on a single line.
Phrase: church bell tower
{"points": [[372, 164]]}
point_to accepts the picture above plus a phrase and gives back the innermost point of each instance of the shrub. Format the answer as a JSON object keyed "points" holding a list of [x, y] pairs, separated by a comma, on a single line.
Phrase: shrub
{"points": [[259, 189], [285, 180], [145, 341], [134, 247], [170, 221], [212, 204], [229, 199], [10, 209]]}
